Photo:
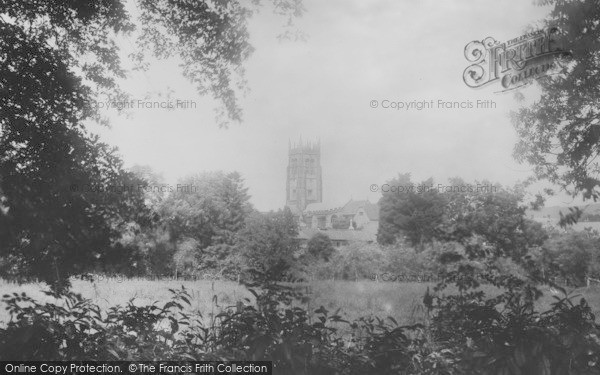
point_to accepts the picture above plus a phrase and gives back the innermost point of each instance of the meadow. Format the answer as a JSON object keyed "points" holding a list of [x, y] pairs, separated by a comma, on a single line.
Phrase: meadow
{"points": [[400, 300]]}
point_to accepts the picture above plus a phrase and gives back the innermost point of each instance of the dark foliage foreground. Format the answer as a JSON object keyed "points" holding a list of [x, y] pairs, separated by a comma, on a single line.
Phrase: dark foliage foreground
{"points": [[466, 335]]}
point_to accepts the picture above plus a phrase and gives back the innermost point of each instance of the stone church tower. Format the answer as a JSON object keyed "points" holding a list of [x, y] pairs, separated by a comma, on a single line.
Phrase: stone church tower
{"points": [[304, 185]]}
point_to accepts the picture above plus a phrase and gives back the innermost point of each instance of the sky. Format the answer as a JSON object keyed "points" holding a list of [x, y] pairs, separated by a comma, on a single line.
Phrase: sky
{"points": [[357, 59]]}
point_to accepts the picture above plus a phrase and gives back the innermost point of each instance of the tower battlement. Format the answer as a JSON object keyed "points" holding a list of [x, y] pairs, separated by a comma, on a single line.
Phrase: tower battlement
{"points": [[305, 148], [304, 182]]}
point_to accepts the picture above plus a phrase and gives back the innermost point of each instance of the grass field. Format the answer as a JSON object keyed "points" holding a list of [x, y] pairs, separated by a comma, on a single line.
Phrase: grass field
{"points": [[354, 299]]}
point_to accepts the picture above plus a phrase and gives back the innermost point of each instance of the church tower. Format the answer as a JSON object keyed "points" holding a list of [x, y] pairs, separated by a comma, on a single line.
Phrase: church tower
{"points": [[304, 185]]}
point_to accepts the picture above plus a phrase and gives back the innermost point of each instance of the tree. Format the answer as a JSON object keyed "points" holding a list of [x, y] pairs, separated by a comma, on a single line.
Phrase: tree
{"points": [[490, 222], [572, 256], [212, 40], [52, 221], [210, 208], [64, 205], [155, 188], [559, 133], [356, 261], [409, 211], [268, 242], [503, 332], [320, 247]]}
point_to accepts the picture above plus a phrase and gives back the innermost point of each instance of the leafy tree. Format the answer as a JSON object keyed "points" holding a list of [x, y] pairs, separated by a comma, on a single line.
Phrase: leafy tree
{"points": [[155, 188], [210, 208], [390, 219], [503, 333], [54, 221], [355, 262], [486, 220], [151, 243], [63, 206], [268, 242], [559, 133], [572, 256], [320, 247], [410, 211], [212, 40], [494, 216]]}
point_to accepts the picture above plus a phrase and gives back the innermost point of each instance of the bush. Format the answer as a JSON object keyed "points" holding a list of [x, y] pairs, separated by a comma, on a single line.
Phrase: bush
{"points": [[270, 329], [352, 262], [489, 337], [362, 261], [468, 334], [320, 247]]}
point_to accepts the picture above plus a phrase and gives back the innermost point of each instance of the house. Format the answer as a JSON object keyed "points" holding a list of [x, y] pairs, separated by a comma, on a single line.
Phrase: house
{"points": [[355, 221]]}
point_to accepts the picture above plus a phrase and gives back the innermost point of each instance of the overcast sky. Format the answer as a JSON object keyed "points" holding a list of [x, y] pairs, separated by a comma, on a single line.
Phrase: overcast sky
{"points": [[356, 52]]}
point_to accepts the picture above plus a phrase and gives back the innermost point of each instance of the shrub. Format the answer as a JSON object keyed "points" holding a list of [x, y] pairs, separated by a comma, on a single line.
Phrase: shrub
{"points": [[468, 334], [320, 247]]}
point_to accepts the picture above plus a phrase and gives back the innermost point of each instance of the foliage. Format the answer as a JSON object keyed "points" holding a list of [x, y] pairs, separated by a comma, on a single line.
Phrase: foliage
{"points": [[502, 333], [59, 184], [272, 328], [405, 263], [480, 212], [398, 262], [570, 255], [466, 335], [352, 262], [320, 247], [65, 199], [212, 40], [409, 210], [267, 242], [558, 133], [515, 339], [207, 210]]}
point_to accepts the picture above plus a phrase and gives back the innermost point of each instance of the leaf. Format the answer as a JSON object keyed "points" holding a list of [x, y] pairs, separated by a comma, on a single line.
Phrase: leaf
{"points": [[321, 310], [174, 326], [114, 353]]}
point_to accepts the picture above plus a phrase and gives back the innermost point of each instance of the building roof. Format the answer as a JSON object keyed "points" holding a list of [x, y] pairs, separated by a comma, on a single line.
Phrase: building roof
{"points": [[371, 209], [340, 234], [350, 208], [321, 208]]}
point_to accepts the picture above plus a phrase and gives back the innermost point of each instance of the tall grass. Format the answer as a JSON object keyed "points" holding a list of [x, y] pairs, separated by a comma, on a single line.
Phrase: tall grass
{"points": [[400, 300]]}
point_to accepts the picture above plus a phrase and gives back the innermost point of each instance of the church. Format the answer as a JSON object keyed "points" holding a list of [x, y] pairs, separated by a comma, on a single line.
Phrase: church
{"points": [[355, 221]]}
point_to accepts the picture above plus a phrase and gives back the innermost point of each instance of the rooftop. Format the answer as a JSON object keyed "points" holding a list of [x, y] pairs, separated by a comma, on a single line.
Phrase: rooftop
{"points": [[350, 208], [364, 235]]}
